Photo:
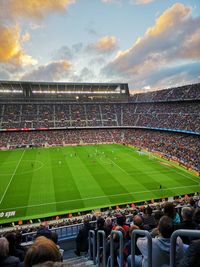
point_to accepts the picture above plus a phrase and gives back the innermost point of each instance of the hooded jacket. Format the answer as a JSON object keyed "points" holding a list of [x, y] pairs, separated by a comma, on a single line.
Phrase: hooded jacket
{"points": [[160, 251]]}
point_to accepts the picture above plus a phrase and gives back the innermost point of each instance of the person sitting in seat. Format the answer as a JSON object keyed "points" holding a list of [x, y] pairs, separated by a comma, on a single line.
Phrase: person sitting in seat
{"points": [[160, 246], [5, 259], [42, 250]]}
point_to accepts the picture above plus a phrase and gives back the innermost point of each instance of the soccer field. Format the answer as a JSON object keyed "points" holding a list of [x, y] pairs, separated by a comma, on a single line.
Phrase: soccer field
{"points": [[41, 182]]}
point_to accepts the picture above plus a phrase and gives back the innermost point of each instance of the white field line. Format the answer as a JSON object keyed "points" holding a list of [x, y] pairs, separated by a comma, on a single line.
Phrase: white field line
{"points": [[187, 176], [98, 197], [12, 177], [119, 167]]}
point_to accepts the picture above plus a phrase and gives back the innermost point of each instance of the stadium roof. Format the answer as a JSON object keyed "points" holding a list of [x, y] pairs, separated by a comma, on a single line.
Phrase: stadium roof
{"points": [[63, 88]]}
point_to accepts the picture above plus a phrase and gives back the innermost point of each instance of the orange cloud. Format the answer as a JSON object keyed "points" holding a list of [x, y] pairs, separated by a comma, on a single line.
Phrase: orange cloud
{"points": [[168, 46], [34, 8], [105, 44], [170, 18], [10, 49], [156, 46]]}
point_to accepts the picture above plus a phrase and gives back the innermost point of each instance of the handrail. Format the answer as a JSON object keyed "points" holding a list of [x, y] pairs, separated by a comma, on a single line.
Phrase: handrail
{"points": [[93, 244], [188, 233], [149, 245], [121, 246], [101, 232]]}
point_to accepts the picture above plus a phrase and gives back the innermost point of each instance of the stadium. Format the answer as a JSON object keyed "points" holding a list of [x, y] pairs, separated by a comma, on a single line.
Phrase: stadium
{"points": [[99, 133], [68, 148], [74, 147]]}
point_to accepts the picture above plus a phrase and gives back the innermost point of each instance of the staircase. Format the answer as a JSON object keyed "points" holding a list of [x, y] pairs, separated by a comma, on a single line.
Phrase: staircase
{"points": [[75, 261], [81, 261]]}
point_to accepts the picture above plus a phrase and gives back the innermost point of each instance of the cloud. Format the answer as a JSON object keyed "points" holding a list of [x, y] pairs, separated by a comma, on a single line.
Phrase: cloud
{"points": [[11, 50], [141, 2], [111, 1], [105, 44], [135, 2], [173, 40], [53, 71], [25, 37], [32, 8], [69, 53], [63, 52], [4, 74]]}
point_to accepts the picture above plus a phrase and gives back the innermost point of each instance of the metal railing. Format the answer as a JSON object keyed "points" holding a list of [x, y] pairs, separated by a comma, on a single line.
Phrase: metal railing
{"points": [[101, 249], [177, 233], [63, 232], [121, 246], [149, 245], [92, 246]]}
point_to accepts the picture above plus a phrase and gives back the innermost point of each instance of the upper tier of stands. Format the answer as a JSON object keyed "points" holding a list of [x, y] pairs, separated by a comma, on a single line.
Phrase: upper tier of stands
{"points": [[187, 92], [52, 105], [169, 115]]}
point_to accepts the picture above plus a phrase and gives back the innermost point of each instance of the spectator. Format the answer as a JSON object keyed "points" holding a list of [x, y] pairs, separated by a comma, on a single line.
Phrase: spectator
{"points": [[160, 246], [187, 223], [13, 251], [148, 218], [196, 217], [82, 238], [42, 250], [191, 257], [169, 210], [137, 219], [5, 259]]}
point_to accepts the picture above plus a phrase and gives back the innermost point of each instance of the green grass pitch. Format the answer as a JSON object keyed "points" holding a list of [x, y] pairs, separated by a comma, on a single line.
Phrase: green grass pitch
{"points": [[41, 182]]}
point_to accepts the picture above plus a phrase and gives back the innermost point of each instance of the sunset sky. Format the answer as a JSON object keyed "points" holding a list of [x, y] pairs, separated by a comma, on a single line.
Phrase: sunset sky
{"points": [[150, 44]]}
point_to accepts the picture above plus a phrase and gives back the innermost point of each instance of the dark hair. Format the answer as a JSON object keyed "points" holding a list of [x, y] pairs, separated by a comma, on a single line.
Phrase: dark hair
{"points": [[165, 227], [148, 210], [54, 237], [11, 237], [169, 209], [100, 222], [196, 216], [158, 214], [121, 219], [42, 250]]}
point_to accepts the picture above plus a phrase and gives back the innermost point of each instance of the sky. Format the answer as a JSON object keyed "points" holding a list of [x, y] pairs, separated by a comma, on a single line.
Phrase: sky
{"points": [[149, 44]]}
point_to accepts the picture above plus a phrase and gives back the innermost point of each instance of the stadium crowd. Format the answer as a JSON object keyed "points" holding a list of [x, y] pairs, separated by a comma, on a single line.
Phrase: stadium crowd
{"points": [[184, 148], [186, 92], [170, 115], [159, 218]]}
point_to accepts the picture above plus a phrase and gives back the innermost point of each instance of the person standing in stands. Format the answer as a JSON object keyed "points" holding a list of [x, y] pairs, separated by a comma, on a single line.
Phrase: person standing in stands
{"points": [[82, 243]]}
